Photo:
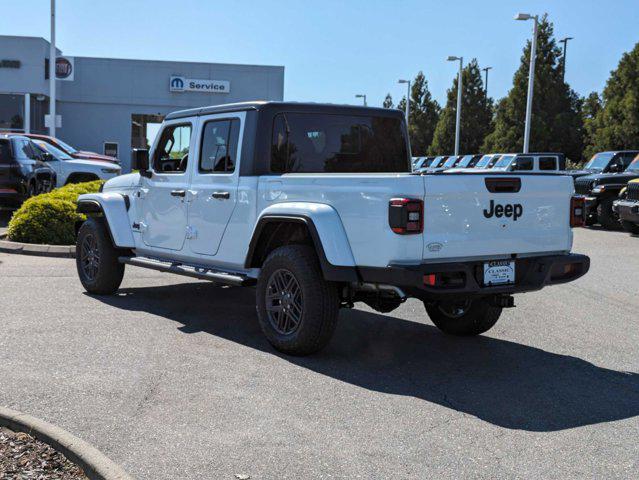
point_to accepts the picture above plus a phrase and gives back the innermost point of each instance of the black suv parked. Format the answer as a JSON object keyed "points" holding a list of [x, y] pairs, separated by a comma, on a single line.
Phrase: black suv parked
{"points": [[23, 171], [605, 162], [602, 189]]}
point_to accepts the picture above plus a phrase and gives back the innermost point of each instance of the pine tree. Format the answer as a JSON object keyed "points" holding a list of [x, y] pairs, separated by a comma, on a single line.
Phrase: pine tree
{"points": [[388, 101], [556, 121], [591, 106], [424, 114], [615, 125], [476, 115]]}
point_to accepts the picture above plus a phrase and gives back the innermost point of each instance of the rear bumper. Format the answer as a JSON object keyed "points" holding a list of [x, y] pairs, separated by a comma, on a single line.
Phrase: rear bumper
{"points": [[627, 210], [531, 273]]}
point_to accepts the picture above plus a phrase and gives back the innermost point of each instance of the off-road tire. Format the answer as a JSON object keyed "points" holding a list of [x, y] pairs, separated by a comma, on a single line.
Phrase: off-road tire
{"points": [[319, 301], [479, 317], [605, 216], [630, 227], [105, 276]]}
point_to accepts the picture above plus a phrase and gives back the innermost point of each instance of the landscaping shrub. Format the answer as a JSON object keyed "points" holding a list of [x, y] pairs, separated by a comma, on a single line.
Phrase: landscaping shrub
{"points": [[50, 218]]}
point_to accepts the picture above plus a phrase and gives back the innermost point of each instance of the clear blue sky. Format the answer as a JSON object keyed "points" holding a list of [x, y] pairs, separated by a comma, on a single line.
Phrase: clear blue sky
{"points": [[335, 49]]}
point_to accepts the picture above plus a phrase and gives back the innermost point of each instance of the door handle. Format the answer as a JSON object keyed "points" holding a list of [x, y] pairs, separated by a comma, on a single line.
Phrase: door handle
{"points": [[221, 195], [178, 193]]}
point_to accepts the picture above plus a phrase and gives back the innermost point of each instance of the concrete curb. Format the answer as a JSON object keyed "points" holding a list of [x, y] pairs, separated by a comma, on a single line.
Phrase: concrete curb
{"points": [[95, 465], [63, 251]]}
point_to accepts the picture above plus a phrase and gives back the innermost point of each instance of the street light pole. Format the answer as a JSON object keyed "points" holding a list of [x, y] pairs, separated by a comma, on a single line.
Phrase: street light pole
{"points": [[407, 82], [459, 100], [563, 58], [52, 57], [486, 81], [531, 76], [363, 96]]}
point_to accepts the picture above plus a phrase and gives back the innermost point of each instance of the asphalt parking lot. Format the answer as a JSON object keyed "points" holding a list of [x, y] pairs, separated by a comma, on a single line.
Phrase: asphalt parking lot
{"points": [[173, 379]]}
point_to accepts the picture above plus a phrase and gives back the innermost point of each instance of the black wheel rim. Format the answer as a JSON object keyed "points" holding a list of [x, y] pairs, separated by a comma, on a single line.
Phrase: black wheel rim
{"points": [[90, 257], [454, 309], [284, 302]]}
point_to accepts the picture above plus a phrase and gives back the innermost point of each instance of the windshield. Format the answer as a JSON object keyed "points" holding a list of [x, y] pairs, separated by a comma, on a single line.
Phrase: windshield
{"points": [[634, 165], [450, 162], [484, 161], [599, 161], [465, 161], [56, 152], [66, 146], [425, 162], [504, 161]]}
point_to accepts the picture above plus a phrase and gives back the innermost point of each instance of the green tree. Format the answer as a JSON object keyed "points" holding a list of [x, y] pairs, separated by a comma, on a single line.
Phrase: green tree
{"points": [[590, 108], [556, 118], [615, 125], [388, 101], [423, 115], [476, 118]]}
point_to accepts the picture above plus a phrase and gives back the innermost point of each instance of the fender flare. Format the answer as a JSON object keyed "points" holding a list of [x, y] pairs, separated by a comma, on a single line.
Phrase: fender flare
{"points": [[326, 231], [114, 207]]}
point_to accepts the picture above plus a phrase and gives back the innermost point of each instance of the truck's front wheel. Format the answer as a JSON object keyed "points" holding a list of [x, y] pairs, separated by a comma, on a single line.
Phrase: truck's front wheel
{"points": [[463, 317], [97, 259], [297, 309]]}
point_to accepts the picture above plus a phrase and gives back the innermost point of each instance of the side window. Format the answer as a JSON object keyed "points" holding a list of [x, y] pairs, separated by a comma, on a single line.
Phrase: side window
{"points": [[5, 152], [22, 149], [522, 163], [219, 146], [172, 152], [547, 163], [626, 158]]}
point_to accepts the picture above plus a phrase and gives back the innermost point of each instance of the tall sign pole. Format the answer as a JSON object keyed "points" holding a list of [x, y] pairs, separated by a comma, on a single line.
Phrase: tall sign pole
{"points": [[52, 58]]}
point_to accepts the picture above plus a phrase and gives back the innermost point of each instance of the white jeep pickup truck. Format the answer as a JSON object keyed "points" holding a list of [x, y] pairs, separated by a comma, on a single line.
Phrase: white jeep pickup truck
{"points": [[316, 206]]}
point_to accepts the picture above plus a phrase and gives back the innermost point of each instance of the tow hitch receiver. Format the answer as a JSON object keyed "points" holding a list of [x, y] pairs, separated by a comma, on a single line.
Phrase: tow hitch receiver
{"points": [[503, 301]]}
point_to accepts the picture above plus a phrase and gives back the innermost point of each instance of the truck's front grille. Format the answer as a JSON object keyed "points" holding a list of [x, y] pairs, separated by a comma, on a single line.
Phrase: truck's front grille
{"points": [[582, 186], [633, 191]]}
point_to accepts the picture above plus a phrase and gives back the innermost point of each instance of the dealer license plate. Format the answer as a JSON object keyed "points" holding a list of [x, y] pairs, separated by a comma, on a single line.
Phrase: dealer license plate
{"points": [[499, 272]]}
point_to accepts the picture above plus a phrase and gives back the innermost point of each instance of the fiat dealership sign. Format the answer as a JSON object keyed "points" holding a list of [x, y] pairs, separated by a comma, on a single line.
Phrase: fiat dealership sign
{"points": [[65, 68], [181, 84]]}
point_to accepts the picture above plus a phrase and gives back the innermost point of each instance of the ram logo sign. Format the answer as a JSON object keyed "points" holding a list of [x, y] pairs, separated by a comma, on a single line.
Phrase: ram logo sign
{"points": [[181, 84]]}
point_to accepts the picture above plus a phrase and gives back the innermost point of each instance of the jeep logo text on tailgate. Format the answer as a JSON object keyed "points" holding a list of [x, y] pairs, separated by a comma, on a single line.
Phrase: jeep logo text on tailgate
{"points": [[508, 210]]}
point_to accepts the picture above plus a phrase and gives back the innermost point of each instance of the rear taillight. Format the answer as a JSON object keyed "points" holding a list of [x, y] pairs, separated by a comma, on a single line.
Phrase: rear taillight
{"points": [[406, 215], [577, 211]]}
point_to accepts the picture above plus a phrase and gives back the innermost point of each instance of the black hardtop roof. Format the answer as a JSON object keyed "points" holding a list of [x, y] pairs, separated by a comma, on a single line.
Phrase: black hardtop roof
{"points": [[286, 106]]}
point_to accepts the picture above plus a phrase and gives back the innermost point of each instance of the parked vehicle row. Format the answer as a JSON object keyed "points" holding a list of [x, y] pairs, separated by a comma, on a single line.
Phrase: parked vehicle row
{"points": [[30, 165], [506, 162], [601, 184]]}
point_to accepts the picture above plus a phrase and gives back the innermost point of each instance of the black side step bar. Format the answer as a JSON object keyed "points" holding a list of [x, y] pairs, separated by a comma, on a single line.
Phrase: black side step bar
{"points": [[202, 273]]}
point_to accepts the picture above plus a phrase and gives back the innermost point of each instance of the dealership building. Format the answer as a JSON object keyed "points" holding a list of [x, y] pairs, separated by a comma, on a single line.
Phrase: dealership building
{"points": [[110, 105]]}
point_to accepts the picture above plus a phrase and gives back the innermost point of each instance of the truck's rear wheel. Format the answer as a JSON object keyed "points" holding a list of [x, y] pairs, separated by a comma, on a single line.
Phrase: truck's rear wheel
{"points": [[630, 227], [97, 259], [463, 317], [297, 309], [606, 217]]}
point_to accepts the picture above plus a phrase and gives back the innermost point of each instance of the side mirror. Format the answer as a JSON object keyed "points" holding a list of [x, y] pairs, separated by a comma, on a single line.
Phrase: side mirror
{"points": [[140, 161]]}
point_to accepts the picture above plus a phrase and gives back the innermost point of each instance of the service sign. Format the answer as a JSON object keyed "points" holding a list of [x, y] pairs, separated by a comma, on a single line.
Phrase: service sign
{"points": [[181, 84]]}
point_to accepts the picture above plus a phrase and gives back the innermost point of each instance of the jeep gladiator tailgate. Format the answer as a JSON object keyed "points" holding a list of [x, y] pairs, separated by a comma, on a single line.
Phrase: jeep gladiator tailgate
{"points": [[482, 215]]}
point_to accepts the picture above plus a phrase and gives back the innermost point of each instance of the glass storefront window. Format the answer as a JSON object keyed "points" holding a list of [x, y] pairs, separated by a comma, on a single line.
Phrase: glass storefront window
{"points": [[11, 112], [39, 107]]}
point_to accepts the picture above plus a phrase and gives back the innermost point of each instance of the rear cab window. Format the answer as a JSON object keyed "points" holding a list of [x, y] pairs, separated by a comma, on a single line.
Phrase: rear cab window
{"points": [[547, 163], [330, 143], [523, 164]]}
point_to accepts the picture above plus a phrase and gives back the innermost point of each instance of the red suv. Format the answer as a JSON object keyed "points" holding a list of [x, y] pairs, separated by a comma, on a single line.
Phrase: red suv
{"points": [[68, 149]]}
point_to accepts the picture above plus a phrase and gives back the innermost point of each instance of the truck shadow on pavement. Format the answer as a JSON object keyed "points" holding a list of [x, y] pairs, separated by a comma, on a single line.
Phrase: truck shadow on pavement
{"points": [[508, 384]]}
